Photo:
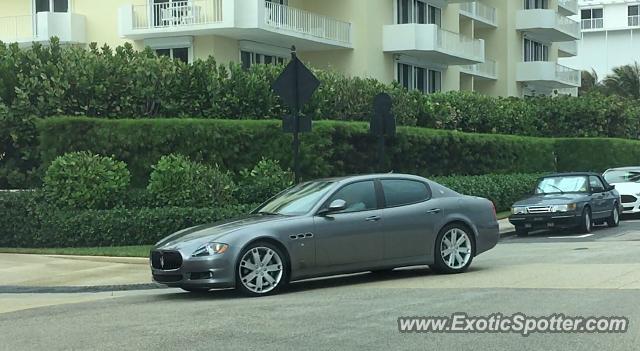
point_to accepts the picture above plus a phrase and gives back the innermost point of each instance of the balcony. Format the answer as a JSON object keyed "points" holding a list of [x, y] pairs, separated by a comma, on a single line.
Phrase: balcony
{"points": [[485, 70], [547, 25], [568, 49], [592, 23], [568, 7], [547, 74], [484, 15], [68, 27], [429, 42], [256, 20]]}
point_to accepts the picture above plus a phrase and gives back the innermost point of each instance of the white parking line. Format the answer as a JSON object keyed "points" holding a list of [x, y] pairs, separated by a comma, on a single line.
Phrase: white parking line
{"points": [[572, 237]]}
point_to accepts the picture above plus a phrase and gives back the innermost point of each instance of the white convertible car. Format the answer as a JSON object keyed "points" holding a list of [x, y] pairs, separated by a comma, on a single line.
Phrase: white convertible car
{"points": [[627, 182]]}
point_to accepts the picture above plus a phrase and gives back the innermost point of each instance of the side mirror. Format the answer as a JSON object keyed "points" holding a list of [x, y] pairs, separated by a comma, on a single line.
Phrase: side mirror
{"points": [[612, 187], [335, 206]]}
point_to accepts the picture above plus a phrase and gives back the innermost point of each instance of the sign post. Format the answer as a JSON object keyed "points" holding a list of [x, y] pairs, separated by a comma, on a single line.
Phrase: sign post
{"points": [[383, 124], [296, 86]]}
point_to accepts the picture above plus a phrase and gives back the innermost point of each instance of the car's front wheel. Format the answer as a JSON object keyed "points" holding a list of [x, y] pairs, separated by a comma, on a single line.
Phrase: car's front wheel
{"points": [[586, 221], [454, 249], [614, 220], [522, 231], [261, 270]]}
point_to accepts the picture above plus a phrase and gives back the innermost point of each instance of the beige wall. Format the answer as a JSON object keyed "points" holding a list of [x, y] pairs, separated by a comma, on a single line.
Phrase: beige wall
{"points": [[102, 20]]}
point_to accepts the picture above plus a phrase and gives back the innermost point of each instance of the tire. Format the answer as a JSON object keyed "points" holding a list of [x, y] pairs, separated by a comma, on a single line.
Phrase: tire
{"points": [[614, 220], [586, 221], [443, 262], [522, 232], [196, 290], [265, 278]]}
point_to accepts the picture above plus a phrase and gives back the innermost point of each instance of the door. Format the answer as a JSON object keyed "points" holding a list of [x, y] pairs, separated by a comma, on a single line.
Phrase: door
{"points": [[353, 237], [601, 201], [410, 219]]}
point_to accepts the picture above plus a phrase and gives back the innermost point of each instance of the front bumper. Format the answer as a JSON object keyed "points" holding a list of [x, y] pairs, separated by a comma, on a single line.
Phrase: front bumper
{"points": [[213, 272], [546, 220], [633, 207]]}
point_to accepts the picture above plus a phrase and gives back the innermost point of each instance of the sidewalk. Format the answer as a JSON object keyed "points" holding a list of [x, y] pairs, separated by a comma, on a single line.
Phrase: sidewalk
{"points": [[72, 271], [506, 228]]}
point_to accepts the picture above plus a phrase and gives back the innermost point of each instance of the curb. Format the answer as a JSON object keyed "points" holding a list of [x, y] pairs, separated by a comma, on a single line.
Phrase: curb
{"points": [[15, 289]]}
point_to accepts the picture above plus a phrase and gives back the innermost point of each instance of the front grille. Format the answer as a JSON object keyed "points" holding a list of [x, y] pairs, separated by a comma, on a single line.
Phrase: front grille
{"points": [[166, 260], [627, 199], [172, 278], [539, 209]]}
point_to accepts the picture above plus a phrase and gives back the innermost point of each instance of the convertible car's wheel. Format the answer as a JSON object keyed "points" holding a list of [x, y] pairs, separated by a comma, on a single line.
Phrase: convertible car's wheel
{"points": [[261, 270], [454, 249], [586, 221], [614, 219]]}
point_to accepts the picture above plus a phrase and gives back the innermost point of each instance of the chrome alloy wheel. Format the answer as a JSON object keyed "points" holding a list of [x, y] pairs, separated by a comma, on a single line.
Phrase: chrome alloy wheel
{"points": [[455, 248], [260, 270], [616, 215], [587, 219]]}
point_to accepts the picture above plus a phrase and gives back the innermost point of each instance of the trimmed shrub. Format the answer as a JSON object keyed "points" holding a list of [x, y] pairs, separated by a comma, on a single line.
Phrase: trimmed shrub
{"points": [[17, 223], [262, 182], [83, 180], [597, 155], [177, 181], [18, 150], [502, 189], [332, 149]]}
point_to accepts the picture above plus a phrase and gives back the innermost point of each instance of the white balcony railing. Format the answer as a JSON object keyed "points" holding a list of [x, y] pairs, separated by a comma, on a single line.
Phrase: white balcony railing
{"points": [[568, 75], [634, 21], [301, 21], [486, 69], [459, 44], [568, 25], [177, 14], [479, 11], [592, 23], [16, 29]]}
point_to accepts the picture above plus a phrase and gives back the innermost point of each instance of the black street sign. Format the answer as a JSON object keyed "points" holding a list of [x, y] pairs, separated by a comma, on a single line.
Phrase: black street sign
{"points": [[383, 124], [289, 124]]}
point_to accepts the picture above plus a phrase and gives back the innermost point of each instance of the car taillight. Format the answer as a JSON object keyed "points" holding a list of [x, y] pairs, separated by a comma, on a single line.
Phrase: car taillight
{"points": [[493, 207]]}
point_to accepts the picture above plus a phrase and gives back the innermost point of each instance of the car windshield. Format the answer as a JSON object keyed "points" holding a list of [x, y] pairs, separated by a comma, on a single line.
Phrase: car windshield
{"points": [[559, 185], [297, 200], [620, 176]]}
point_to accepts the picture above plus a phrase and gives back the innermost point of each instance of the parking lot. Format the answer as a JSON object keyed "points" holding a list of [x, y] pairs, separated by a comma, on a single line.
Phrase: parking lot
{"points": [[543, 274]]}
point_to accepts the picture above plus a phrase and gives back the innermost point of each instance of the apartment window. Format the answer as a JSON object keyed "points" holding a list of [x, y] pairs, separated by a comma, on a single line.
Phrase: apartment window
{"points": [[419, 78], [416, 11], [536, 4], [634, 16], [181, 54], [592, 18], [535, 51], [249, 58], [51, 6]]}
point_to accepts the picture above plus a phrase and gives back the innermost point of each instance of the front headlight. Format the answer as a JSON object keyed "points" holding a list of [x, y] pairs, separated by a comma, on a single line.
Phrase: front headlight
{"points": [[518, 210], [210, 249], [563, 208]]}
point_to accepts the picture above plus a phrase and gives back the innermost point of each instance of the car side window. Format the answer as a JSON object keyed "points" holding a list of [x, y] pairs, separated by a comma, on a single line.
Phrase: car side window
{"points": [[400, 192], [360, 196], [596, 185]]}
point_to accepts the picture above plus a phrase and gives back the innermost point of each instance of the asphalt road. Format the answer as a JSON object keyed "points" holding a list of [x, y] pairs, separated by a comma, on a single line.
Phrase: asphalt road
{"points": [[540, 275]]}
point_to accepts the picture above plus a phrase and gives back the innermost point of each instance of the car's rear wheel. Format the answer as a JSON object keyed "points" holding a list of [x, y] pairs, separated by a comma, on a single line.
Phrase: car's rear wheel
{"points": [[586, 221], [262, 269], [454, 250], [614, 220], [522, 231]]}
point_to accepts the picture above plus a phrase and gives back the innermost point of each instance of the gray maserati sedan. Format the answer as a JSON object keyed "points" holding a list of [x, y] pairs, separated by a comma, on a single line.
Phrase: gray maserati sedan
{"points": [[328, 227]]}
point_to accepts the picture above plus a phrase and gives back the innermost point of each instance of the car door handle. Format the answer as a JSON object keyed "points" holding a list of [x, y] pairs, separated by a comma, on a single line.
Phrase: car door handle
{"points": [[434, 211], [372, 219]]}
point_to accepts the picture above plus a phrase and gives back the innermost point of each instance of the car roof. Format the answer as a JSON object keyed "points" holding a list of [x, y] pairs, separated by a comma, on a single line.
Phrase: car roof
{"points": [[573, 174], [351, 178]]}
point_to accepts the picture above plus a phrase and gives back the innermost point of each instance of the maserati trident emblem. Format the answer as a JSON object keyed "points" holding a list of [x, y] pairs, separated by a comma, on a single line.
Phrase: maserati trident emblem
{"points": [[162, 261]]}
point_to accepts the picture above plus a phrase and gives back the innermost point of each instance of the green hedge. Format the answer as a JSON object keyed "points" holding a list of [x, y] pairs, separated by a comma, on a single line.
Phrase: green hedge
{"points": [[332, 149], [27, 222], [597, 155]]}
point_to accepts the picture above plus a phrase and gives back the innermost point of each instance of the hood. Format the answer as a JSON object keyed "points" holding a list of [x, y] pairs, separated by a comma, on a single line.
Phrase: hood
{"points": [[553, 199], [629, 188], [211, 232]]}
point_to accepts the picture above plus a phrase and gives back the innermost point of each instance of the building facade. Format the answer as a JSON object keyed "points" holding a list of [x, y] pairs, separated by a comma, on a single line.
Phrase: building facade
{"points": [[495, 47], [610, 35]]}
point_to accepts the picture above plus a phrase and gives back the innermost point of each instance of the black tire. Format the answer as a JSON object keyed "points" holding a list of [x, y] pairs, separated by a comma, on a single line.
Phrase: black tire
{"points": [[280, 284], [522, 232], [614, 220], [196, 290], [586, 221], [439, 265]]}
